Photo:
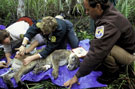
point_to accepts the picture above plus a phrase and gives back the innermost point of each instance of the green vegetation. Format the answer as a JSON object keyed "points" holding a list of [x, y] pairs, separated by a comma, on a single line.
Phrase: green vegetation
{"points": [[37, 9], [126, 7], [7, 11], [43, 85]]}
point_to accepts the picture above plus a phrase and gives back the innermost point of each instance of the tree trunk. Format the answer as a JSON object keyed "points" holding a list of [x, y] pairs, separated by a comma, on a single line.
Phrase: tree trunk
{"points": [[20, 9], [72, 4]]}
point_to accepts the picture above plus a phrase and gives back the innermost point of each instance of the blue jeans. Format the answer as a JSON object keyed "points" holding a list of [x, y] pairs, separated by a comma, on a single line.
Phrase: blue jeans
{"points": [[71, 35]]}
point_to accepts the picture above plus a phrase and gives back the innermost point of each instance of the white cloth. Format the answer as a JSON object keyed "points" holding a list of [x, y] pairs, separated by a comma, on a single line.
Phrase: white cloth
{"points": [[18, 28]]}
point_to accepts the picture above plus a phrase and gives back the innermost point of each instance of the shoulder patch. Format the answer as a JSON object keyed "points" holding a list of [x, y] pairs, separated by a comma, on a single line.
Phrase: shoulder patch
{"points": [[99, 32], [53, 39], [38, 24], [21, 35]]}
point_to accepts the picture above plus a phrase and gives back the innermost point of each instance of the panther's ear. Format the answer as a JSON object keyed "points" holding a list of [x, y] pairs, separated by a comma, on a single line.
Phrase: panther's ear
{"points": [[76, 57]]}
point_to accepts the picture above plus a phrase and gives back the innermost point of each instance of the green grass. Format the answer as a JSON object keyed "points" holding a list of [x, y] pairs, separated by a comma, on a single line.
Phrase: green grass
{"points": [[123, 82], [46, 84], [37, 9]]}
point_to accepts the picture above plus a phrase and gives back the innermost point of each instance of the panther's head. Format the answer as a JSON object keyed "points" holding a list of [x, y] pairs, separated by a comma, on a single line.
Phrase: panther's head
{"points": [[73, 61]]}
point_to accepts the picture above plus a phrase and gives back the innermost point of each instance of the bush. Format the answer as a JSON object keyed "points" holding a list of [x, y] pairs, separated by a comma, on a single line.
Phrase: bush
{"points": [[126, 7]]}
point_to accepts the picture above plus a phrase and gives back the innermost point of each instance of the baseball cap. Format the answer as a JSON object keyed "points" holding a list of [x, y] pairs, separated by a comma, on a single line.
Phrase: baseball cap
{"points": [[47, 24]]}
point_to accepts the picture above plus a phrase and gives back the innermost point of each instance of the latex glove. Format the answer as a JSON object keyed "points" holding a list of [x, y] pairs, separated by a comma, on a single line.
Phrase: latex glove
{"points": [[21, 50]]}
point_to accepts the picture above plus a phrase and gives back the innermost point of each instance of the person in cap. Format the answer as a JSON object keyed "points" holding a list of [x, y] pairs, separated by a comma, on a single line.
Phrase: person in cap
{"points": [[57, 33], [113, 45], [12, 36]]}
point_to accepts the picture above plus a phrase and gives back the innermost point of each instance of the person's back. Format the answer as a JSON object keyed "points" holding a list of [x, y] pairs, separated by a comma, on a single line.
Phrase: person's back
{"points": [[17, 28], [16, 32]]}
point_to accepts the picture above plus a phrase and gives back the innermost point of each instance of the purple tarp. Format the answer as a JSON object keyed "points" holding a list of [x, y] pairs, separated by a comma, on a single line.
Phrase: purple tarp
{"points": [[2, 27], [88, 81]]}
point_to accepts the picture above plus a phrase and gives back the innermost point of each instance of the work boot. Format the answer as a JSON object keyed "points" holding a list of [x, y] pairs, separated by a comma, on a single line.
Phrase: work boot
{"points": [[108, 77]]}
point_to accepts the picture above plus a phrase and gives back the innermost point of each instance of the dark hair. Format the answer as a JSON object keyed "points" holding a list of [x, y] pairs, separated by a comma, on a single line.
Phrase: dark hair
{"points": [[3, 34], [104, 3]]}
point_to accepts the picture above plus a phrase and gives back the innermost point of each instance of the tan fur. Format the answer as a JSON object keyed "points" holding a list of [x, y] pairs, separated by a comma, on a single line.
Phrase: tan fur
{"points": [[17, 70], [55, 59]]}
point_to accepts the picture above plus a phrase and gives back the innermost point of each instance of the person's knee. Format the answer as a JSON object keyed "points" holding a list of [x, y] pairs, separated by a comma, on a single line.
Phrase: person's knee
{"points": [[121, 55], [111, 64]]}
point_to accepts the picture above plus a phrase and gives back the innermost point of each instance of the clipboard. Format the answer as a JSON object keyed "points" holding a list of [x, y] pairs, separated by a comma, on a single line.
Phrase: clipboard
{"points": [[80, 52]]}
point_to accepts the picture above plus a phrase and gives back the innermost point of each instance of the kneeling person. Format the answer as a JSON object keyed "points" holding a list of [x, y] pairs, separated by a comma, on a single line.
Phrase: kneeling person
{"points": [[56, 31], [12, 38]]}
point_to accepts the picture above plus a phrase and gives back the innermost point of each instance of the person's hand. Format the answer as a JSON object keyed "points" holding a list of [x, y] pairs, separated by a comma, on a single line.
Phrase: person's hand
{"points": [[3, 65], [70, 82], [21, 50], [27, 60]]}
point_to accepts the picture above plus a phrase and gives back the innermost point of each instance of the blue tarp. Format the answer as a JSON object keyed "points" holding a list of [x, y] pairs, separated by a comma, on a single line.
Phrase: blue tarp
{"points": [[2, 27], [88, 81]]}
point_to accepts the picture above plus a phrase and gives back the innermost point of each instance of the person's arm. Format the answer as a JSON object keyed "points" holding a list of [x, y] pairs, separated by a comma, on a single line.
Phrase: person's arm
{"points": [[7, 51], [69, 83], [31, 58], [37, 40], [32, 46], [100, 47], [31, 32], [8, 55], [22, 47]]}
